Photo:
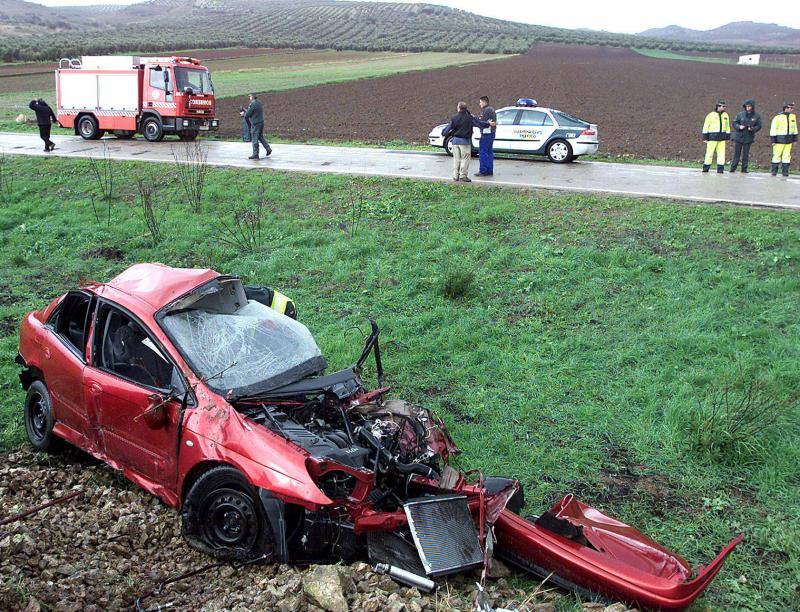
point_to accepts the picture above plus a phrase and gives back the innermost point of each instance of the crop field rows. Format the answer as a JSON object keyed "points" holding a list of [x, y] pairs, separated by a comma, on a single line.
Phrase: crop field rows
{"points": [[625, 93]]}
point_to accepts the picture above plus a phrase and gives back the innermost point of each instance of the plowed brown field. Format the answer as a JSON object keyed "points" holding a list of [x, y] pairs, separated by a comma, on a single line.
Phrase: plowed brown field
{"points": [[644, 107]]}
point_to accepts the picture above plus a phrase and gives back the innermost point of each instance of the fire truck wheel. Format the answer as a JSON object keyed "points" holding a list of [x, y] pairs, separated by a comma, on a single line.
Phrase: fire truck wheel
{"points": [[152, 130], [88, 128], [187, 134]]}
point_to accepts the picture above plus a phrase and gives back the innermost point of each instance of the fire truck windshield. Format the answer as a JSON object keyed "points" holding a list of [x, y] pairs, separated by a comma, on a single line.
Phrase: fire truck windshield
{"points": [[198, 80]]}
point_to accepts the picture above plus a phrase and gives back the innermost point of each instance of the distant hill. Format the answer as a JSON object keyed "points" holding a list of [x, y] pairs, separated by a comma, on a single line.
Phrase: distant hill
{"points": [[30, 31], [737, 33]]}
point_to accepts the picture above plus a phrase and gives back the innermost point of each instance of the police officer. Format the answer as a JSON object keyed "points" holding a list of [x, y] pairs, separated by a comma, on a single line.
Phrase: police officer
{"points": [[745, 125], [44, 119], [716, 131], [783, 133], [486, 146], [254, 113]]}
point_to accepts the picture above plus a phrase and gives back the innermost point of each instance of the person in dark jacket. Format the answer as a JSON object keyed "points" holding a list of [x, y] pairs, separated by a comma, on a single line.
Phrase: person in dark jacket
{"points": [[255, 115], [460, 130], [745, 125], [44, 119]]}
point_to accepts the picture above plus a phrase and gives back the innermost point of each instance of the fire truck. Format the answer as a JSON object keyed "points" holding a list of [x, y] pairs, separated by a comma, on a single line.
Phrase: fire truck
{"points": [[126, 95]]}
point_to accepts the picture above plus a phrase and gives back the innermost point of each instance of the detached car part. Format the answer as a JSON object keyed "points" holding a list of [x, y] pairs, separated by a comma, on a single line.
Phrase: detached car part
{"points": [[205, 396]]}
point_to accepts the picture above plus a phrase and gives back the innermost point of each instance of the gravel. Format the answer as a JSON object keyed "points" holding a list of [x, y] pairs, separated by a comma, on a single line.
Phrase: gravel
{"points": [[114, 543]]}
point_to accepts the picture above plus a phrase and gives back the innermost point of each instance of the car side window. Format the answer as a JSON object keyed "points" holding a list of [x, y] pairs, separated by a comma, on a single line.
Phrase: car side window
{"points": [[506, 117], [72, 320], [565, 120], [124, 348], [157, 79], [533, 117]]}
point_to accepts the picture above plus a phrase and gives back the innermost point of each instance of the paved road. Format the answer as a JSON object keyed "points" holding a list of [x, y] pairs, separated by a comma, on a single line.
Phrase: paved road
{"points": [[754, 189]]}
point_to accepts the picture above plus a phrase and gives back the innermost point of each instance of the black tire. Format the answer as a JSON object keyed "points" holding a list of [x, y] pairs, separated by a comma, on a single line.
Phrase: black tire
{"points": [[39, 418], [152, 129], [125, 134], [559, 152], [223, 516], [188, 135], [88, 128], [448, 146]]}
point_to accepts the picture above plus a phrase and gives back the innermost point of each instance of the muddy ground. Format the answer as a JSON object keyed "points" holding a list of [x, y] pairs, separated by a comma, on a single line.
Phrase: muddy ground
{"points": [[114, 543], [644, 107]]}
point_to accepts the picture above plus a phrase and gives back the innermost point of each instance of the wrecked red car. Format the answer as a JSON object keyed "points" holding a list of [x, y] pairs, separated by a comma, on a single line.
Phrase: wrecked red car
{"points": [[188, 382]]}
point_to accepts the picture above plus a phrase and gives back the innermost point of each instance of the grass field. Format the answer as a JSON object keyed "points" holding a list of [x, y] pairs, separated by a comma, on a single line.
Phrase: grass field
{"points": [[274, 71], [580, 334]]}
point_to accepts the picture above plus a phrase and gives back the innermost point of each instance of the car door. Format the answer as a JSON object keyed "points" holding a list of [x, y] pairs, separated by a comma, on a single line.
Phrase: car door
{"points": [[533, 128], [129, 373], [63, 342], [505, 129]]}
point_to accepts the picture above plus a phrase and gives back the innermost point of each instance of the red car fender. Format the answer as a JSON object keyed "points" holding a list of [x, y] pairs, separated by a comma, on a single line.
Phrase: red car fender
{"points": [[251, 449]]}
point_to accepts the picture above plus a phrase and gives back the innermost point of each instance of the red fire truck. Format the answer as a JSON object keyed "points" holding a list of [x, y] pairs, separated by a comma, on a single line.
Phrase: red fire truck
{"points": [[125, 95]]}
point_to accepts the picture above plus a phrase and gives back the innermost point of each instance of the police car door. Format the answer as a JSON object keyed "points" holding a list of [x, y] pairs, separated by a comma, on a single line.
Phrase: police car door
{"points": [[505, 127], [533, 129]]}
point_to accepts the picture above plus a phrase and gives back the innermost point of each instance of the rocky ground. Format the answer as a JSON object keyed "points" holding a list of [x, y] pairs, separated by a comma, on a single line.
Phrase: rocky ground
{"points": [[115, 543]]}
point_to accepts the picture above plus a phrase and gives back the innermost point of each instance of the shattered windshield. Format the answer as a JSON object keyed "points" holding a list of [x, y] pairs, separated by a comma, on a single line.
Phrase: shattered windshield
{"points": [[247, 350]]}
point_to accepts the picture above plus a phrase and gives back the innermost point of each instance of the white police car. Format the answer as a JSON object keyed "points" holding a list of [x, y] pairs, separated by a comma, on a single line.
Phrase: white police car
{"points": [[528, 129]]}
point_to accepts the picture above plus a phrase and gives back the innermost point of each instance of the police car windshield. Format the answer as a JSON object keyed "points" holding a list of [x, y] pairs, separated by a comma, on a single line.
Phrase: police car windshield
{"points": [[240, 349], [198, 80]]}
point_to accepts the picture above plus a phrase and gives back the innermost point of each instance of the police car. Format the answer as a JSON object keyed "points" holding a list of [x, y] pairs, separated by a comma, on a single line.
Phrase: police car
{"points": [[528, 129]]}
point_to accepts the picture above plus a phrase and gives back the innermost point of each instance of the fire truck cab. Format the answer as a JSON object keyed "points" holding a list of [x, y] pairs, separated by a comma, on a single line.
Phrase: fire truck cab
{"points": [[126, 95]]}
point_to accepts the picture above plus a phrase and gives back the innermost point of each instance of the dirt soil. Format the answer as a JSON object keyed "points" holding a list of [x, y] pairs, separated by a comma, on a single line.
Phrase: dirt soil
{"points": [[644, 107], [114, 543]]}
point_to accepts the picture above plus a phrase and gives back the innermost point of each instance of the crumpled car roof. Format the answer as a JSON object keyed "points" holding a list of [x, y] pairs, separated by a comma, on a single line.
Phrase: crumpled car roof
{"points": [[151, 286]]}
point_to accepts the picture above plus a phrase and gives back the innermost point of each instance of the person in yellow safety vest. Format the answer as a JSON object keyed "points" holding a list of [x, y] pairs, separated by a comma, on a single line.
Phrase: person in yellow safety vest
{"points": [[716, 132], [274, 299], [783, 133]]}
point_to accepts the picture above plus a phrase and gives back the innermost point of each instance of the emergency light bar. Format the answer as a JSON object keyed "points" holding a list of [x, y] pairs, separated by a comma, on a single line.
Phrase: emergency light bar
{"points": [[526, 102]]}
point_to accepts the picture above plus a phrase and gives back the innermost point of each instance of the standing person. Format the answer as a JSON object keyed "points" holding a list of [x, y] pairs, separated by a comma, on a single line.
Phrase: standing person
{"points": [[460, 128], [782, 133], [254, 113], [716, 132], [486, 147], [745, 125], [44, 119]]}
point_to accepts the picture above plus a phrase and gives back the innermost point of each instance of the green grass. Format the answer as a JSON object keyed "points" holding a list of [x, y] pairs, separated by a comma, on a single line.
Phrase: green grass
{"points": [[239, 76], [590, 328], [664, 54]]}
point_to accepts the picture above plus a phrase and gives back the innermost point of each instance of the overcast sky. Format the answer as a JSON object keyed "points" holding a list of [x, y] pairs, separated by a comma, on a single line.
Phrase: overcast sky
{"points": [[611, 15]]}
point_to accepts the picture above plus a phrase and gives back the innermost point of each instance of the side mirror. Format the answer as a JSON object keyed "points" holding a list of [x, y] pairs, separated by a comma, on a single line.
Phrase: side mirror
{"points": [[155, 417], [188, 90]]}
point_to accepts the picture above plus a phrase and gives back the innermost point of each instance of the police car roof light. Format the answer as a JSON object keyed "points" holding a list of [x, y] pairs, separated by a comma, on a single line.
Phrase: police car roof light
{"points": [[526, 102]]}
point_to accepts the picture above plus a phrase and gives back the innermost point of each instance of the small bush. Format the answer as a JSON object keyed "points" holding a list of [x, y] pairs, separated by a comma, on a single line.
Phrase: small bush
{"points": [[456, 283], [734, 424], [103, 172]]}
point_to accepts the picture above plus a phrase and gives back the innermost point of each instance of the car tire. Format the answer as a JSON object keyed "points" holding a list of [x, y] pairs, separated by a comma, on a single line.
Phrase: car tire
{"points": [[125, 134], [88, 128], [152, 130], [188, 135], [559, 152], [223, 516], [448, 146], [39, 418]]}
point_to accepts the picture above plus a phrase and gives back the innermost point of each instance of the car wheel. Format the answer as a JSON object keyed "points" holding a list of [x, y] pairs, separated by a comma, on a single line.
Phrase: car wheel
{"points": [[125, 134], [39, 418], [448, 146], [88, 128], [559, 152], [187, 135], [152, 130], [222, 515]]}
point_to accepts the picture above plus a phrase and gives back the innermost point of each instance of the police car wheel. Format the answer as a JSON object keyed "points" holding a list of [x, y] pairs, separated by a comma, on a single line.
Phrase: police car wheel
{"points": [[448, 146], [559, 152]]}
